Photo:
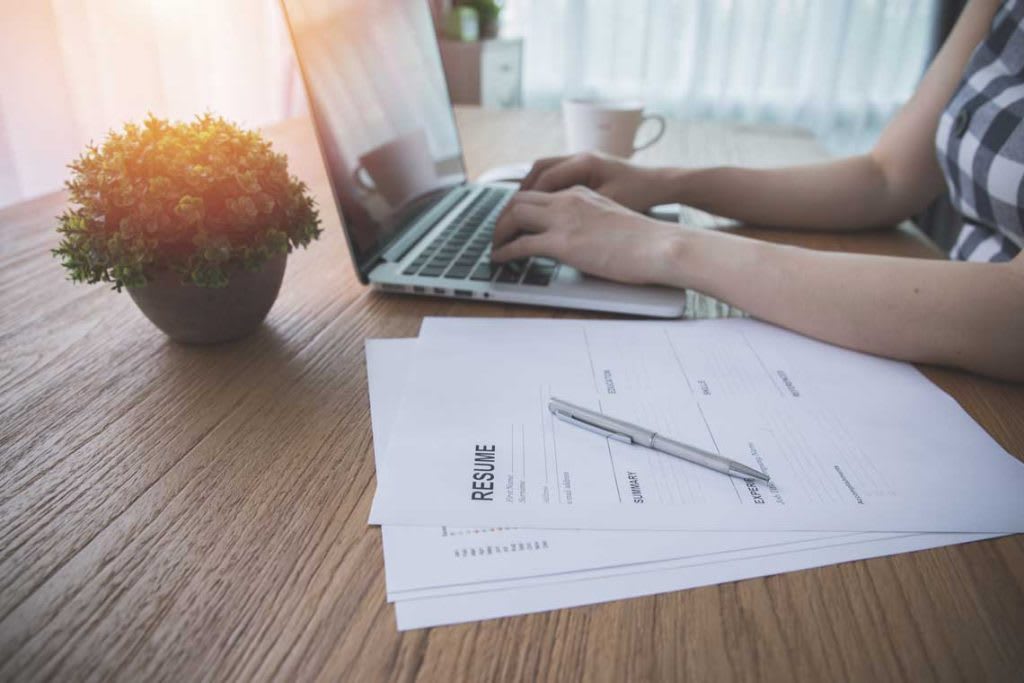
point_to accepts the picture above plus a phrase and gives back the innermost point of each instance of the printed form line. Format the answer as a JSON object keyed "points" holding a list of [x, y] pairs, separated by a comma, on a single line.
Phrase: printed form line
{"points": [[607, 441], [679, 362]]}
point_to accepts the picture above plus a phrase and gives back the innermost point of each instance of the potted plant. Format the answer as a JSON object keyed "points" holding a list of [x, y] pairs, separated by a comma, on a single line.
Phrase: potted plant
{"points": [[487, 12], [195, 219]]}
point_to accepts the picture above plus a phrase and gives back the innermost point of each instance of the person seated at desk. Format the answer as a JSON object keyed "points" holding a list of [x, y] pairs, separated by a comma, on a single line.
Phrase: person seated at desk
{"points": [[963, 130]]}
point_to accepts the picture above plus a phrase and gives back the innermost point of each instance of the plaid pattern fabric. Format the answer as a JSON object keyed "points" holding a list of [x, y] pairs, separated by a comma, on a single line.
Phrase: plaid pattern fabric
{"points": [[980, 142]]}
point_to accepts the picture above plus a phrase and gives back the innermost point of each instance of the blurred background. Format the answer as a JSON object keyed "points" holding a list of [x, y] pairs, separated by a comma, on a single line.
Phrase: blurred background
{"points": [[73, 69]]}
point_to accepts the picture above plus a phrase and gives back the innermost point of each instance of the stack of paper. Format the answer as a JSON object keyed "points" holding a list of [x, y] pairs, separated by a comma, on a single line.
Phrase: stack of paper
{"points": [[489, 507]]}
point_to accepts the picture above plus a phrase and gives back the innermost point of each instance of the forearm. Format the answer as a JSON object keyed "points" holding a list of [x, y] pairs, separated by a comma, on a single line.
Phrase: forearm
{"points": [[847, 194], [967, 315]]}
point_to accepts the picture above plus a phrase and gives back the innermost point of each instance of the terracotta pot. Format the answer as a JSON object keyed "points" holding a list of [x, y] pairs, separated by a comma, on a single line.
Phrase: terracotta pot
{"points": [[209, 315]]}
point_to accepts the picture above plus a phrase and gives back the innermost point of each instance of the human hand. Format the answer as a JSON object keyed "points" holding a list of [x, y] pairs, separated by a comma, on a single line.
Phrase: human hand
{"points": [[588, 231], [634, 187]]}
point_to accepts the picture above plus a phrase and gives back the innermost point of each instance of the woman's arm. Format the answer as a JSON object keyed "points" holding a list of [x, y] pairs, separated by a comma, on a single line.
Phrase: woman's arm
{"points": [[898, 178], [967, 315]]}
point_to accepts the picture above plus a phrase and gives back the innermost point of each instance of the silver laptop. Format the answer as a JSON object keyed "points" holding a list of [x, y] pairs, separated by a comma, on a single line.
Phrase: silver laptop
{"points": [[386, 129]]}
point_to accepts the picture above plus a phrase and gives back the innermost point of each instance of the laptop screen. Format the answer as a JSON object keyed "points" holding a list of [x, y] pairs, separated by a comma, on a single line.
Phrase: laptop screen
{"points": [[377, 91]]}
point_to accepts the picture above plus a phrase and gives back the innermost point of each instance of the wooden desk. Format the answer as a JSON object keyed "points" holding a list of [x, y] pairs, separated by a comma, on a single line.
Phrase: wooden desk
{"points": [[187, 513]]}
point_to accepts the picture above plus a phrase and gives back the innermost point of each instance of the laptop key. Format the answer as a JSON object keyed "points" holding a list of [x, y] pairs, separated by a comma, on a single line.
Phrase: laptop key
{"points": [[511, 272], [508, 275], [433, 270], [484, 272], [459, 271], [538, 275]]}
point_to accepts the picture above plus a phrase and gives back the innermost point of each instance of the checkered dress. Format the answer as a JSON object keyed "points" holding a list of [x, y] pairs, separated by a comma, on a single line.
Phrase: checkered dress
{"points": [[980, 142]]}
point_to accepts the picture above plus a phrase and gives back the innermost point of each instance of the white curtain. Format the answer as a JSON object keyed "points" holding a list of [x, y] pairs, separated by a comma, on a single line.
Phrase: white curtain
{"points": [[840, 67], [73, 69]]}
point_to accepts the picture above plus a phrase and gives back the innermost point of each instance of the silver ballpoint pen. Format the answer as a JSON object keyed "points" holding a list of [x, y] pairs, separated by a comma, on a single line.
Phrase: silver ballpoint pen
{"points": [[623, 431]]}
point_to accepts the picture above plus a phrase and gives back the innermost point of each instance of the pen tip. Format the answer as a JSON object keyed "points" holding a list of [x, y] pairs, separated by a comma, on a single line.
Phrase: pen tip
{"points": [[749, 472]]}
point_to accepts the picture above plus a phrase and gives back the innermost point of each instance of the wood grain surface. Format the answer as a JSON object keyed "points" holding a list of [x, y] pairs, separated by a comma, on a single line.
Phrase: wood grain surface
{"points": [[176, 513]]}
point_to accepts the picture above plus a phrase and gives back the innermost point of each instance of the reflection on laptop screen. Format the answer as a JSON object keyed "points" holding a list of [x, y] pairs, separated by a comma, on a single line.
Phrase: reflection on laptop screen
{"points": [[373, 74]]}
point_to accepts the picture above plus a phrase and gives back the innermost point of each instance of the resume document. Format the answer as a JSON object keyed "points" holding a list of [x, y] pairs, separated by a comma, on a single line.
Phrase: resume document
{"points": [[852, 442], [439, 575]]}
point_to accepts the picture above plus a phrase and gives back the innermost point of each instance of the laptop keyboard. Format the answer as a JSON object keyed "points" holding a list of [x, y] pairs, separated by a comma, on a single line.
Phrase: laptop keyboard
{"points": [[462, 250]]}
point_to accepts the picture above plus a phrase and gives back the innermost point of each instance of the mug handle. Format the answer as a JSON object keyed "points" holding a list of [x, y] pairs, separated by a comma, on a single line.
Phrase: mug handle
{"points": [[657, 136], [365, 185]]}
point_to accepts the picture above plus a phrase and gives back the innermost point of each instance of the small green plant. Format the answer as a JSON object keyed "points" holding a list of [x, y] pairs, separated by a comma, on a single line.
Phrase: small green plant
{"points": [[196, 198], [487, 10]]}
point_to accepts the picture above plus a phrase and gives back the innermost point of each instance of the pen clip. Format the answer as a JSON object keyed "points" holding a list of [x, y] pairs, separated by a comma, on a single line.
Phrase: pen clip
{"points": [[583, 424]]}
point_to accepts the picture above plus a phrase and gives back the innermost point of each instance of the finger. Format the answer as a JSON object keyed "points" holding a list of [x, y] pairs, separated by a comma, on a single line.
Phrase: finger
{"points": [[519, 217], [524, 247], [530, 197], [538, 167], [573, 171]]}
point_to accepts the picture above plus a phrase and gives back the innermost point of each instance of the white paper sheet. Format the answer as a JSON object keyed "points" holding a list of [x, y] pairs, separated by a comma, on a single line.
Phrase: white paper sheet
{"points": [[853, 442], [490, 604], [425, 562]]}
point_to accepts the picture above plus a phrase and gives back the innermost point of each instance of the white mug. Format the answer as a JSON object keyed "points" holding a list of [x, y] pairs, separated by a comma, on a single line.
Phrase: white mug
{"points": [[399, 170], [608, 126]]}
